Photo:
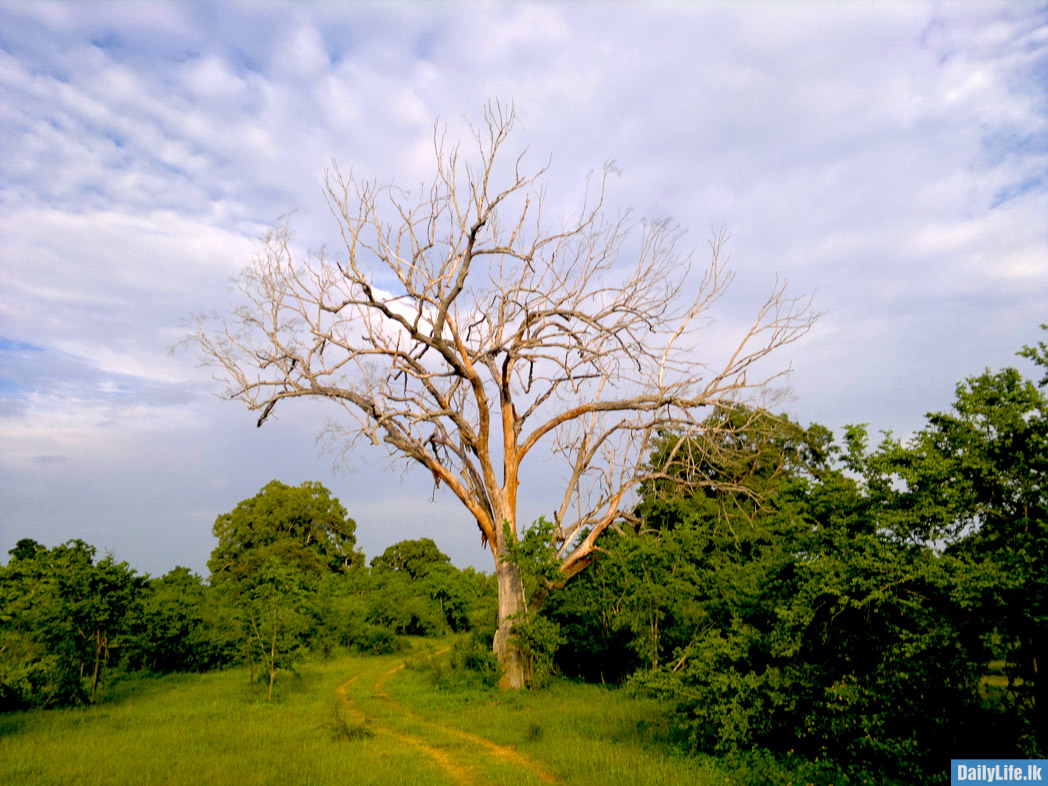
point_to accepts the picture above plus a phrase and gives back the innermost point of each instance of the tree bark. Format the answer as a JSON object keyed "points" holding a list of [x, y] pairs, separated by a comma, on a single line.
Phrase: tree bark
{"points": [[516, 665]]}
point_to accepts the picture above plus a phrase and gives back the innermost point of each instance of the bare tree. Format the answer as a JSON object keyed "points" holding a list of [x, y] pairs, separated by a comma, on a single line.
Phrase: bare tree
{"points": [[466, 331]]}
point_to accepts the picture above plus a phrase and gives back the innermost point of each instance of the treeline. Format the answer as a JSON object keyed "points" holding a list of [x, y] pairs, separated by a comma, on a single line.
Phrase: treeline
{"points": [[841, 608], [286, 583]]}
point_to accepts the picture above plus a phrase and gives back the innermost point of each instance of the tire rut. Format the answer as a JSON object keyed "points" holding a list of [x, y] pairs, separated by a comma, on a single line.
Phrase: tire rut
{"points": [[459, 773]]}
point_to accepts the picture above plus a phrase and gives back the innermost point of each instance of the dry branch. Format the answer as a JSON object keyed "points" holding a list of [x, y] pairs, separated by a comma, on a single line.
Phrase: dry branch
{"points": [[463, 330]]}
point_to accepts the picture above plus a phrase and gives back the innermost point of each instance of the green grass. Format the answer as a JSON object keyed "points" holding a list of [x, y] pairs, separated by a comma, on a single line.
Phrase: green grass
{"points": [[576, 730], [204, 729]]}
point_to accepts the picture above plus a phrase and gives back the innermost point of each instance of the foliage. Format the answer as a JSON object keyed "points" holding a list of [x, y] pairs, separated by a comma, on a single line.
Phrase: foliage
{"points": [[169, 632], [414, 557], [852, 615], [64, 622], [301, 525]]}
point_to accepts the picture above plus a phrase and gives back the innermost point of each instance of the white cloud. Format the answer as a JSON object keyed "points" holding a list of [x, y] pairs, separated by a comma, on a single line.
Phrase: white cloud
{"points": [[891, 156]]}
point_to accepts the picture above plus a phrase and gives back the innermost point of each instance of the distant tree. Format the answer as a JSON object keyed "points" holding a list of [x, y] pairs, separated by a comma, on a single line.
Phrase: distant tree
{"points": [[466, 332], [65, 617], [26, 549], [169, 634], [401, 605], [271, 548], [453, 592], [274, 600], [414, 557], [302, 525], [97, 601]]}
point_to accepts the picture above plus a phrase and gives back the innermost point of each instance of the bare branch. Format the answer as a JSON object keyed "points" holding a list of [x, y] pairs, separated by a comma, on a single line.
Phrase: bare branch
{"points": [[461, 329]]}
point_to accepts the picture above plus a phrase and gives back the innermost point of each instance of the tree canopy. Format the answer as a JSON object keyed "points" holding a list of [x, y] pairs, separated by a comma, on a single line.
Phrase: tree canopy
{"points": [[302, 525], [414, 557]]}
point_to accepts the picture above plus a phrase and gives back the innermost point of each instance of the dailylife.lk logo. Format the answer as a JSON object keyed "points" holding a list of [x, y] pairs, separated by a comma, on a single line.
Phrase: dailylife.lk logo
{"points": [[966, 771]]}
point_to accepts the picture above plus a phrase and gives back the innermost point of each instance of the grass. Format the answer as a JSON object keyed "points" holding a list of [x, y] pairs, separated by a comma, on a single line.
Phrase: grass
{"points": [[576, 730], [204, 729]]}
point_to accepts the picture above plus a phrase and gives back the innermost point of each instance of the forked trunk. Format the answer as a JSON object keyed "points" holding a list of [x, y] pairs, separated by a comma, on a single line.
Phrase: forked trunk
{"points": [[516, 665]]}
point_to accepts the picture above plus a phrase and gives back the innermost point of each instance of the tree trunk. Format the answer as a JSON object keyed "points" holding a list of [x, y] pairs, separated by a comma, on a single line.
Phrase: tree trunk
{"points": [[1037, 640], [98, 658], [272, 661], [516, 665]]}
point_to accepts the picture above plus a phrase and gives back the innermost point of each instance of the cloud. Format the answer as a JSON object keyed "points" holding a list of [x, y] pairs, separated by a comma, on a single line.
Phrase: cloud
{"points": [[893, 159]]}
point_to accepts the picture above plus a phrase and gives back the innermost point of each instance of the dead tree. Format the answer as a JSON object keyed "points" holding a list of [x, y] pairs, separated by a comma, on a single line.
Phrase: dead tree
{"points": [[467, 332]]}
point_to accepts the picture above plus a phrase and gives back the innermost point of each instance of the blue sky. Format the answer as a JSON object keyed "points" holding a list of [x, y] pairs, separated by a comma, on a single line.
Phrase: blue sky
{"points": [[889, 157]]}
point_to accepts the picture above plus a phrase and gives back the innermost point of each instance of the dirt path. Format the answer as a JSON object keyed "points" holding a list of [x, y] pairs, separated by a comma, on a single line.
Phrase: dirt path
{"points": [[457, 764]]}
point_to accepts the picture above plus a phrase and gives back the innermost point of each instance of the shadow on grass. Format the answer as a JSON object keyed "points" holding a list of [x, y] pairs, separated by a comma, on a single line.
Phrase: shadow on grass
{"points": [[11, 723]]}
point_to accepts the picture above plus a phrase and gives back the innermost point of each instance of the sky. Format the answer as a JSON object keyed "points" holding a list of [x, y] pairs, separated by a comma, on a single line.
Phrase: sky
{"points": [[888, 157]]}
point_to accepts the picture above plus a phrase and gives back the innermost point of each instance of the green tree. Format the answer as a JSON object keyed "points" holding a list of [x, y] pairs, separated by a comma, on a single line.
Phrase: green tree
{"points": [[65, 620], [271, 548], [35, 669], [454, 593], [170, 631], [976, 480], [26, 549], [275, 599], [414, 557], [301, 525], [799, 624], [96, 601]]}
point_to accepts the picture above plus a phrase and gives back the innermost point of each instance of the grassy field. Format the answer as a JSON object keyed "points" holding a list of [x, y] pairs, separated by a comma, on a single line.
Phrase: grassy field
{"points": [[347, 721]]}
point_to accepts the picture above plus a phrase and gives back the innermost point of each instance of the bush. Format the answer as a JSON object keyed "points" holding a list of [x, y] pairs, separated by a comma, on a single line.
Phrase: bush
{"points": [[473, 655], [759, 767], [471, 664], [370, 639], [539, 638]]}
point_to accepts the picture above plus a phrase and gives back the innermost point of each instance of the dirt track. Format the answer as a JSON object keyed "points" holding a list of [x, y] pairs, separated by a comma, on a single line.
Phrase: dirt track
{"points": [[461, 762]]}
